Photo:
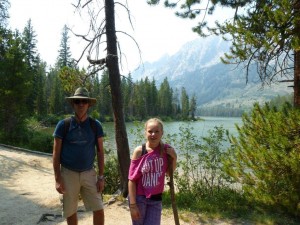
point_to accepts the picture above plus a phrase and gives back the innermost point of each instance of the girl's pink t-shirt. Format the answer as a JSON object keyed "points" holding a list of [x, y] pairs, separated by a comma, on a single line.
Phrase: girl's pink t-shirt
{"points": [[148, 171]]}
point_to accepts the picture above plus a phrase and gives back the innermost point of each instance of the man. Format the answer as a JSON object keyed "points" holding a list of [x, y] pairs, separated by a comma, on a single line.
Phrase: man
{"points": [[73, 159]]}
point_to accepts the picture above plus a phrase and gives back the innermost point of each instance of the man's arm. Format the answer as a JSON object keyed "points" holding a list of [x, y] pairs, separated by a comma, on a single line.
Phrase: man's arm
{"points": [[56, 165], [100, 161]]}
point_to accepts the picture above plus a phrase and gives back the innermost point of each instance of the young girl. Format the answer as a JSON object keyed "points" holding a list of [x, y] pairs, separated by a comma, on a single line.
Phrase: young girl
{"points": [[147, 171]]}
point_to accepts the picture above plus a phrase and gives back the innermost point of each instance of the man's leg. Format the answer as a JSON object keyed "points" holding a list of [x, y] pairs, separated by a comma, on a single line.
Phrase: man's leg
{"points": [[72, 220], [98, 217]]}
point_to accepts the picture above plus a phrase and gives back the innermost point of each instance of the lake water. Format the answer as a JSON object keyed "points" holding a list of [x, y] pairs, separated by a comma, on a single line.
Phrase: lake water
{"points": [[200, 128]]}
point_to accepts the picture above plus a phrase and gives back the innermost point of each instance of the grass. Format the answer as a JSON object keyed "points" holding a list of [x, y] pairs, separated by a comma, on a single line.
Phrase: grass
{"points": [[226, 206]]}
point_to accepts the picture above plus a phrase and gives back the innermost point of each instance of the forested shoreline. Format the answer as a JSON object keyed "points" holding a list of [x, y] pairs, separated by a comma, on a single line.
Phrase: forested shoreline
{"points": [[31, 89]]}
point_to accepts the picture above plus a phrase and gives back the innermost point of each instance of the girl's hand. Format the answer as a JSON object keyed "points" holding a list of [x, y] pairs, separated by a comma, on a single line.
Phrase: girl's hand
{"points": [[171, 152], [134, 212]]}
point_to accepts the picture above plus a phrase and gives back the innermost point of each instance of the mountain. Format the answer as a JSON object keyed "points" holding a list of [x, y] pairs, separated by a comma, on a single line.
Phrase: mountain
{"points": [[198, 68]]}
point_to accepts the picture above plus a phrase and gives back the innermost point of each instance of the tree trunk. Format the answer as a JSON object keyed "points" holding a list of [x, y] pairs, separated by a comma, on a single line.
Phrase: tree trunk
{"points": [[297, 59], [297, 79], [112, 64], [172, 191]]}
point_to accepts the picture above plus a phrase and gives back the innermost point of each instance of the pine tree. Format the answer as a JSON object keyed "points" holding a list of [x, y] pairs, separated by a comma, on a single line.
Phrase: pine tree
{"points": [[40, 99], [185, 108], [264, 158], [30, 46], [31, 59], [55, 93], [127, 90], [140, 106], [265, 34], [193, 106], [105, 107], [14, 88], [165, 97], [65, 57], [153, 98], [176, 109]]}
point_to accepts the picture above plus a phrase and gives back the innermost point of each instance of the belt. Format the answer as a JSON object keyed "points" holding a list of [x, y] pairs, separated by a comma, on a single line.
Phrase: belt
{"points": [[157, 197]]}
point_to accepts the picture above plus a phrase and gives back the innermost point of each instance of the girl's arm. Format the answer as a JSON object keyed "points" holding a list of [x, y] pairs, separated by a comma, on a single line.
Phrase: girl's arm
{"points": [[134, 211]]}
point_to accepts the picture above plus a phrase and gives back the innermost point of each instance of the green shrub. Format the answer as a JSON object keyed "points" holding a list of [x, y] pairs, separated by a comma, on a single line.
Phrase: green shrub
{"points": [[200, 162], [111, 173], [95, 114], [41, 141], [265, 157]]}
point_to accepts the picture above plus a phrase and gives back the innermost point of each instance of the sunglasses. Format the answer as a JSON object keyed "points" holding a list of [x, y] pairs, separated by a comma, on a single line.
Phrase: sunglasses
{"points": [[82, 101]]}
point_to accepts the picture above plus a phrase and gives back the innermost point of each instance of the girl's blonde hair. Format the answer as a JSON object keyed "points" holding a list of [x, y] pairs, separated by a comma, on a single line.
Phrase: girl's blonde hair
{"points": [[155, 120], [162, 129]]}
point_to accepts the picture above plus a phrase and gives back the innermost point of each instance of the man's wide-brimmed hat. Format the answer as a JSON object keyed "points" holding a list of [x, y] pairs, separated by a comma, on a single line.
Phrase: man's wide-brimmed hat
{"points": [[82, 93]]}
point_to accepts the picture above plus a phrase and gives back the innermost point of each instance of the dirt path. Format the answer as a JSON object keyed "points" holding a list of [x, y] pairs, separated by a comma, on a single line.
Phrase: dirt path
{"points": [[27, 193], [28, 196]]}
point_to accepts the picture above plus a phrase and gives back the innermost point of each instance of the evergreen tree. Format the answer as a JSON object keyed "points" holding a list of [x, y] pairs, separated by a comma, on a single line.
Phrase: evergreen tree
{"points": [[135, 99], [280, 101], [31, 59], [263, 33], [64, 57], [185, 108], [150, 97], [30, 46], [264, 158], [105, 107], [193, 106], [153, 98], [176, 110], [56, 94], [14, 88], [139, 103], [165, 97], [96, 90], [40, 99], [127, 90]]}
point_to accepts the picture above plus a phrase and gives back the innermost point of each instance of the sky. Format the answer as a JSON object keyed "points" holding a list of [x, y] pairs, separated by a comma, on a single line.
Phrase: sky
{"points": [[156, 29]]}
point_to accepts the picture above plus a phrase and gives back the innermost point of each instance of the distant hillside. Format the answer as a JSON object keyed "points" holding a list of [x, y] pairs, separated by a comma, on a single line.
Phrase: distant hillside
{"points": [[197, 67]]}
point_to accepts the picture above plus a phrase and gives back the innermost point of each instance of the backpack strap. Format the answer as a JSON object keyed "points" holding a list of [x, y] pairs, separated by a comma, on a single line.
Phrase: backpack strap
{"points": [[94, 128], [67, 122], [144, 150], [93, 125]]}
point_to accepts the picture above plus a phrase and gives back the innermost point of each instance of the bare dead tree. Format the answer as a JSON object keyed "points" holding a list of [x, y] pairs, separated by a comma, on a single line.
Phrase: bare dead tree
{"points": [[103, 35]]}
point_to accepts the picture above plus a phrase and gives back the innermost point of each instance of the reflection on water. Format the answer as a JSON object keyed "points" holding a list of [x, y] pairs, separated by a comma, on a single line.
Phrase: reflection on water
{"points": [[200, 129]]}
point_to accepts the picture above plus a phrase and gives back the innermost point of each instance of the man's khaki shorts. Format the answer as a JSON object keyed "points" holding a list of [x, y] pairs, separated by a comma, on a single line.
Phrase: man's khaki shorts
{"points": [[83, 183]]}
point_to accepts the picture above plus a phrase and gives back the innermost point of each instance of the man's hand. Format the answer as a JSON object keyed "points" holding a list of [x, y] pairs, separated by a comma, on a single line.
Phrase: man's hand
{"points": [[60, 187], [100, 185]]}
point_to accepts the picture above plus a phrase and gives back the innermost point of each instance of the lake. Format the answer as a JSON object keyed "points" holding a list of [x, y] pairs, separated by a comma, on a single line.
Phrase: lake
{"points": [[200, 128]]}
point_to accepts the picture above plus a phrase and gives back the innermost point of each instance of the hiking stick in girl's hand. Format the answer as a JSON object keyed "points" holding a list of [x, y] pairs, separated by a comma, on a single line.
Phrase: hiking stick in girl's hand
{"points": [[149, 165], [172, 190]]}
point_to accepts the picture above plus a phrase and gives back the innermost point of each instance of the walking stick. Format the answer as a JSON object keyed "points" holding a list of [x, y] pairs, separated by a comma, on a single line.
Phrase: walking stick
{"points": [[172, 191]]}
